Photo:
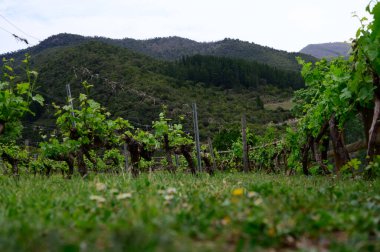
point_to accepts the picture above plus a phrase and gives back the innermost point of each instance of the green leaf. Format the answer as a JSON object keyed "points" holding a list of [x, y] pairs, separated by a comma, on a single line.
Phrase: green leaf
{"points": [[8, 68], [376, 21], [346, 94], [82, 97], [365, 94], [38, 98], [3, 85], [34, 73], [23, 88]]}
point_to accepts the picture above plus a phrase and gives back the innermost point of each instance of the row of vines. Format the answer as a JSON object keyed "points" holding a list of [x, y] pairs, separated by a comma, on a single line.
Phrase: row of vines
{"points": [[84, 136]]}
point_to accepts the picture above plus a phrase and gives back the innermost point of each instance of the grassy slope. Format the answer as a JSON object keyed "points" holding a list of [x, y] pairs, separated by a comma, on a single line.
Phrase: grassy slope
{"points": [[287, 105], [39, 214]]}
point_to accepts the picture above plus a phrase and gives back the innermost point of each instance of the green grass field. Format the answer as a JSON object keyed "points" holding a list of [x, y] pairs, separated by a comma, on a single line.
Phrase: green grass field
{"points": [[164, 212]]}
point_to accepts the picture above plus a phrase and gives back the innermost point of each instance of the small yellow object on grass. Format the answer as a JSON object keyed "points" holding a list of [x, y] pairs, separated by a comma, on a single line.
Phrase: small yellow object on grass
{"points": [[238, 192], [225, 221], [272, 232]]}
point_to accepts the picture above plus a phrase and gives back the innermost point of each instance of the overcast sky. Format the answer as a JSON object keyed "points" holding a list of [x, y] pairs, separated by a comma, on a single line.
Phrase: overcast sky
{"points": [[282, 24]]}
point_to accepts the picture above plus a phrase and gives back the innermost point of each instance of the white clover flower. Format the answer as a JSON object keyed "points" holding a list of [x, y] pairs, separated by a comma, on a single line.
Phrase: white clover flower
{"points": [[258, 202], [124, 196], [252, 194], [171, 190], [168, 197], [100, 186], [97, 198]]}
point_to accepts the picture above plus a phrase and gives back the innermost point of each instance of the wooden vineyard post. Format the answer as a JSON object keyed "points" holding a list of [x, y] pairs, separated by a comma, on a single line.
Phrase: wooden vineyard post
{"points": [[245, 145], [176, 160], [68, 91], [2, 164], [196, 134], [26, 142], [212, 153], [126, 157], [35, 157]]}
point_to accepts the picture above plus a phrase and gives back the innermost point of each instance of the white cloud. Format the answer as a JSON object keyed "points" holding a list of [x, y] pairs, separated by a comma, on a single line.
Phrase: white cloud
{"points": [[288, 25]]}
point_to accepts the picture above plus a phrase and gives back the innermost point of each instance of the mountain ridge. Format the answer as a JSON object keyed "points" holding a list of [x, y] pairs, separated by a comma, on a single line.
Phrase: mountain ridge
{"points": [[173, 48], [327, 50]]}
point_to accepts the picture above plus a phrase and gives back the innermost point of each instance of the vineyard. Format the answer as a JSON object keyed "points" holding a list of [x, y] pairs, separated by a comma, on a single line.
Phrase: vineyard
{"points": [[97, 182]]}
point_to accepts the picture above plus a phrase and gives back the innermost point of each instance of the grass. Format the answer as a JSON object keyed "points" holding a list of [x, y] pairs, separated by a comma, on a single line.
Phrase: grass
{"points": [[286, 105], [165, 212]]}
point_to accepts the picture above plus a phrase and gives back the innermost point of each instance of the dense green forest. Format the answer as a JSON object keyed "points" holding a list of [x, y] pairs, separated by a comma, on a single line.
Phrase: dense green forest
{"points": [[173, 48], [232, 73]]}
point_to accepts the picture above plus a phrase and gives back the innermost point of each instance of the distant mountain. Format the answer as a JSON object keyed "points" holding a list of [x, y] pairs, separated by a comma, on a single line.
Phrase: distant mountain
{"points": [[327, 50], [173, 48]]}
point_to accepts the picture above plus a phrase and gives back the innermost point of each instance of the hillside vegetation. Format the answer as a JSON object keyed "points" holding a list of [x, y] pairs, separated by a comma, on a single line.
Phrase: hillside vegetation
{"points": [[232, 73], [136, 87]]}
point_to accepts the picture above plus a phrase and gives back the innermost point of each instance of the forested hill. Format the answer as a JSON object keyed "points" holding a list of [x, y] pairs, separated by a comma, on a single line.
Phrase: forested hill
{"points": [[232, 73], [136, 87], [327, 50], [173, 48]]}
